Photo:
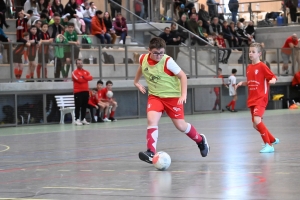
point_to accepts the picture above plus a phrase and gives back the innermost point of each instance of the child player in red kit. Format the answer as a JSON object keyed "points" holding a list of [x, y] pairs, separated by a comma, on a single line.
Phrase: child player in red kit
{"points": [[259, 76], [167, 88]]}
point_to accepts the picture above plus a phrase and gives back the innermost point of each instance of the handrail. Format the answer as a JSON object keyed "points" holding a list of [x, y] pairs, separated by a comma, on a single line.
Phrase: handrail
{"points": [[243, 2]]}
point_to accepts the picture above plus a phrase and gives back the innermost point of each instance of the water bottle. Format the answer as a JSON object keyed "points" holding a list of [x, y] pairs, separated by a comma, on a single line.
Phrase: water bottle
{"points": [[91, 59], [1, 58]]}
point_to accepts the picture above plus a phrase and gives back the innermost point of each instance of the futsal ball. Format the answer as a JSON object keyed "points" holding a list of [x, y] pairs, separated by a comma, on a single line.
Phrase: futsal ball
{"points": [[161, 160], [109, 94]]}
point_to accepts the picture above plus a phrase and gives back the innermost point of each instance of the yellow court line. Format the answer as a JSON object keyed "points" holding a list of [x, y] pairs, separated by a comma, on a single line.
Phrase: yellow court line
{"points": [[80, 188], [7, 148]]}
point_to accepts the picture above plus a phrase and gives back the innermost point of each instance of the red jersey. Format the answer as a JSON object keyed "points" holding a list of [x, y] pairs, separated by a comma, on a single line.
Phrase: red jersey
{"points": [[93, 100], [33, 47], [217, 89], [19, 50], [21, 27], [288, 51], [44, 36], [221, 42], [99, 95], [81, 80], [258, 77], [296, 79], [103, 93]]}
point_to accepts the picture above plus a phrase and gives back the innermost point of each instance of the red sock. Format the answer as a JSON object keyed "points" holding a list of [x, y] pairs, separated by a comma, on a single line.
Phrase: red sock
{"points": [[262, 129], [31, 74], [20, 72], [192, 133], [28, 76], [152, 135], [38, 70], [104, 116], [46, 73], [230, 103], [233, 105], [16, 72], [112, 113], [271, 137]]}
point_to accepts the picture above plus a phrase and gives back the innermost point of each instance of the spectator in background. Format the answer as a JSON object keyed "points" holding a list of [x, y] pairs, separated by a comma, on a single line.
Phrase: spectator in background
{"points": [[292, 5], [233, 6], [99, 29], [71, 9], [215, 27], [21, 25], [193, 11], [85, 4], [93, 103], [222, 47], [3, 9], [86, 15], [232, 29], [286, 51], [139, 8], [201, 33], [79, 18], [204, 16], [120, 26], [4, 38], [81, 80], [92, 9], [170, 39], [115, 8], [250, 30], [41, 6], [32, 50], [242, 35], [228, 35], [32, 5], [112, 102], [57, 7], [38, 25], [176, 42], [193, 27], [109, 27], [182, 32], [212, 8]]}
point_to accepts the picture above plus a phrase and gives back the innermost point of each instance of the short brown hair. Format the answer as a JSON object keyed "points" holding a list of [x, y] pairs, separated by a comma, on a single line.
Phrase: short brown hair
{"points": [[25, 34], [257, 45], [157, 43]]}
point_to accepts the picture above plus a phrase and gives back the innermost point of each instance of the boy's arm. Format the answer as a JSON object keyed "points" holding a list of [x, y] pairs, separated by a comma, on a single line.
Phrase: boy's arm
{"points": [[242, 83], [183, 80], [138, 75]]}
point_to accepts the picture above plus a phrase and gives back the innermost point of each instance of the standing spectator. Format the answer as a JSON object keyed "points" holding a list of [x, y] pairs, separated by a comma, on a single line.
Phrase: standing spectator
{"points": [[71, 9], [109, 27], [21, 25], [204, 16], [182, 32], [3, 9], [233, 6], [32, 5], [228, 35], [286, 51], [115, 8], [215, 27], [292, 5], [120, 26], [212, 8], [32, 50], [57, 7], [92, 9], [139, 8], [55, 29], [81, 80], [99, 29], [193, 27], [232, 91]]}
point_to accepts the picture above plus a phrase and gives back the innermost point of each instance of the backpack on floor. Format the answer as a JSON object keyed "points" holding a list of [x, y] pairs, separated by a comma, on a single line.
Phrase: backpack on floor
{"points": [[86, 40], [264, 23], [109, 59]]}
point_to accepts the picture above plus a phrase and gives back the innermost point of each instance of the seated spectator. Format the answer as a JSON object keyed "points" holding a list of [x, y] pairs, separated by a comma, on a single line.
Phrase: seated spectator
{"points": [[204, 16], [86, 15], [32, 5], [38, 25], [193, 11], [41, 6], [57, 7], [228, 35], [220, 42], [233, 29], [109, 27], [112, 102], [182, 32], [92, 9], [99, 29], [290, 45], [71, 9], [85, 5], [201, 33], [94, 102], [79, 18], [193, 27], [215, 27], [170, 39], [250, 30], [241, 34], [120, 27]]}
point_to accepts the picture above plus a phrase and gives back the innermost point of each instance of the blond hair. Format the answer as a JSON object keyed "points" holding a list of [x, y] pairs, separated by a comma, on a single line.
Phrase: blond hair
{"points": [[257, 45]]}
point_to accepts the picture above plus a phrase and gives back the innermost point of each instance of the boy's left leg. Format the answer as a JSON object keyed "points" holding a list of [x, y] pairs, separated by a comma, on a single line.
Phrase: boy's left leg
{"points": [[114, 105]]}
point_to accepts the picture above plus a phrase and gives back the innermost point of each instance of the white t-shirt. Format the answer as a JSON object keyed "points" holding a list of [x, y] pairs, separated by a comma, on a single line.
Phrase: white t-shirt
{"points": [[171, 65], [232, 83]]}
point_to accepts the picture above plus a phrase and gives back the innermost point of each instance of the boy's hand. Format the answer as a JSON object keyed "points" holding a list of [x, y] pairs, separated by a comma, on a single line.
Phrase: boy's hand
{"points": [[141, 88], [238, 85], [96, 107], [272, 81], [181, 100]]}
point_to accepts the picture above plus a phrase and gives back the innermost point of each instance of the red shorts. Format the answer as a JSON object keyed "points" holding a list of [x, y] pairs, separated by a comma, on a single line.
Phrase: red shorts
{"points": [[257, 111], [169, 105]]}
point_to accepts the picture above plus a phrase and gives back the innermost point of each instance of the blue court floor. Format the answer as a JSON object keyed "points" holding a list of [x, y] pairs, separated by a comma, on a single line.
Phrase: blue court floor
{"points": [[100, 161]]}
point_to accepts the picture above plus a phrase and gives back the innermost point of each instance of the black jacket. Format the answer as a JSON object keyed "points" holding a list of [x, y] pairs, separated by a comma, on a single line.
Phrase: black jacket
{"points": [[226, 32], [58, 9], [71, 8], [233, 5], [183, 24], [203, 15], [108, 24]]}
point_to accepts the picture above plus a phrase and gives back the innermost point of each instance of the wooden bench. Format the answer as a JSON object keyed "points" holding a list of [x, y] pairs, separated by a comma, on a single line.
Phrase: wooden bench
{"points": [[66, 105]]}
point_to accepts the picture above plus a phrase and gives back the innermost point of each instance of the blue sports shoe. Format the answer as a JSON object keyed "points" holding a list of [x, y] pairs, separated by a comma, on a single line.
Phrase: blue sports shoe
{"points": [[267, 149], [276, 141]]}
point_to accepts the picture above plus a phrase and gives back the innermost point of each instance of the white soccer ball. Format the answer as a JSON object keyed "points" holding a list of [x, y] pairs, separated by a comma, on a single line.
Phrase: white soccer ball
{"points": [[161, 160], [109, 94]]}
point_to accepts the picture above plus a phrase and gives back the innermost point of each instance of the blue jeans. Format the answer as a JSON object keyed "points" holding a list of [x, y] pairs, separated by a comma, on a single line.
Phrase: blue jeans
{"points": [[123, 36], [87, 21], [234, 14], [102, 37]]}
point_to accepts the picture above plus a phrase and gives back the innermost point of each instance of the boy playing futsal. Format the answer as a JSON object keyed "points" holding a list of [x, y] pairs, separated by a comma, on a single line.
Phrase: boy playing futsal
{"points": [[259, 76], [232, 91], [167, 88]]}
